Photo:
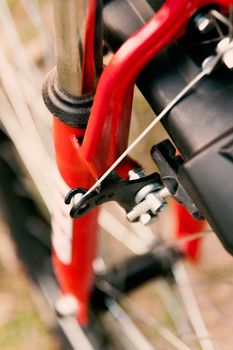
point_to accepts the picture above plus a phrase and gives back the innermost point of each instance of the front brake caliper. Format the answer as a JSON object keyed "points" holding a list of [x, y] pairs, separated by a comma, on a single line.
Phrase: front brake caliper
{"points": [[142, 196]]}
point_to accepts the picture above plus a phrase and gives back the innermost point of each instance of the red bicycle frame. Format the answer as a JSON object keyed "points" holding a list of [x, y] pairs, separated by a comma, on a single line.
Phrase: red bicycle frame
{"points": [[106, 136]]}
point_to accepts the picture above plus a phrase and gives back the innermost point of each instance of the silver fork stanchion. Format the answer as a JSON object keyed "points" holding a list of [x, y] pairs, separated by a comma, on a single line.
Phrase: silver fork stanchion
{"points": [[73, 47], [68, 89]]}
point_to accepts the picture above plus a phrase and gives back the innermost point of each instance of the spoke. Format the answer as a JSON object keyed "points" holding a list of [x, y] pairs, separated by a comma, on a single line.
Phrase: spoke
{"points": [[162, 245], [74, 333], [29, 135], [152, 322], [113, 226], [143, 316], [24, 115], [136, 242], [128, 326], [32, 8], [192, 307], [26, 70], [22, 59], [174, 309]]}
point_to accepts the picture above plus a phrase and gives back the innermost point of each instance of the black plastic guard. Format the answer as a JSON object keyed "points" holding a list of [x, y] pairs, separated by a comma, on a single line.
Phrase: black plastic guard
{"points": [[207, 111], [209, 178]]}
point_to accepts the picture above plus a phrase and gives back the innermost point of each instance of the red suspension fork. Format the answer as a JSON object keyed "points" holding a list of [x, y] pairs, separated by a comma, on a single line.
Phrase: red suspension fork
{"points": [[81, 155], [68, 94]]}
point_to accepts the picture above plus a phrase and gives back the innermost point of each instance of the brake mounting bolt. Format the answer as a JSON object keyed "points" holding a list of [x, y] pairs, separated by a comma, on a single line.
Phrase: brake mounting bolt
{"points": [[225, 48], [203, 23]]}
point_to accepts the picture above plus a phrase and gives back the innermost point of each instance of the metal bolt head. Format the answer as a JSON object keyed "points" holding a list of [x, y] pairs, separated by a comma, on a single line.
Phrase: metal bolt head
{"points": [[203, 23], [154, 202], [224, 48], [145, 218], [133, 175], [228, 59], [66, 305], [99, 266], [223, 45]]}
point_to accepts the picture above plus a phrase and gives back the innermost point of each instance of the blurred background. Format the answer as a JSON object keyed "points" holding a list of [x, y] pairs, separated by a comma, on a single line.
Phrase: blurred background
{"points": [[26, 321], [26, 54]]}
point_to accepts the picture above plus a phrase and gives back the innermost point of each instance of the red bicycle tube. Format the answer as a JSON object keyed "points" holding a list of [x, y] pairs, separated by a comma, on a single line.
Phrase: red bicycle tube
{"points": [[184, 226], [88, 66], [75, 276], [106, 136], [74, 241]]}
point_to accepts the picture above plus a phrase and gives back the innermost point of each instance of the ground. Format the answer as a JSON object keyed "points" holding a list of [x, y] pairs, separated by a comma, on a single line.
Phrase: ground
{"points": [[25, 319]]}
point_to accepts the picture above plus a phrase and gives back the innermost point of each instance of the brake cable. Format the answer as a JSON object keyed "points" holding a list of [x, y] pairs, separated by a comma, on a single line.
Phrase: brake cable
{"points": [[207, 68]]}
